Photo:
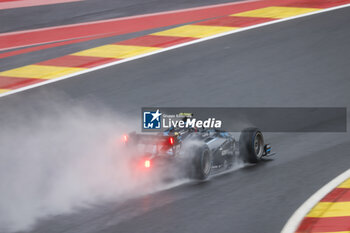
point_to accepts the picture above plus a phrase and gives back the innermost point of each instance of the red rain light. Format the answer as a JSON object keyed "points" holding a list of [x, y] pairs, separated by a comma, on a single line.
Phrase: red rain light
{"points": [[147, 164], [125, 138], [171, 141]]}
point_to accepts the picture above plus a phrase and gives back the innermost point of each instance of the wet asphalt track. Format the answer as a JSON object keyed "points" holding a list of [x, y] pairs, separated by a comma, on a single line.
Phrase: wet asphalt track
{"points": [[299, 63], [89, 10]]}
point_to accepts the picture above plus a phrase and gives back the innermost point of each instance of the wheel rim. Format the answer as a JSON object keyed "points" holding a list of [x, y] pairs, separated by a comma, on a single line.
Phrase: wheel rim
{"points": [[258, 145]]}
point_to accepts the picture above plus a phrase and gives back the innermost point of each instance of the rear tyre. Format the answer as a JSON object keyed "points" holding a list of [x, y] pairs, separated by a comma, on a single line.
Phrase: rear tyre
{"points": [[201, 163], [251, 145]]}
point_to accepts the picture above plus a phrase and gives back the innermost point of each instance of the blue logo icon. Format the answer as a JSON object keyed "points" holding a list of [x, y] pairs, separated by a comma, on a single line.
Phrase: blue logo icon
{"points": [[152, 120]]}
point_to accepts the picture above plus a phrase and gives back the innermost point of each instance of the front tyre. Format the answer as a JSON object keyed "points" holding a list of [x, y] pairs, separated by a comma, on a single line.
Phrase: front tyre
{"points": [[201, 163], [251, 145]]}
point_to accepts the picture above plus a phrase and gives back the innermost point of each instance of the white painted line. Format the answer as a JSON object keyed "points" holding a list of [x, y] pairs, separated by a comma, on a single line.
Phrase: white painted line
{"points": [[170, 48], [293, 223]]}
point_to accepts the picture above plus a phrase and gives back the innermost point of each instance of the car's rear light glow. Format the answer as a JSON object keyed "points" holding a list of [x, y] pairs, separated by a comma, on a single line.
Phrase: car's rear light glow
{"points": [[125, 138], [147, 164], [171, 141]]}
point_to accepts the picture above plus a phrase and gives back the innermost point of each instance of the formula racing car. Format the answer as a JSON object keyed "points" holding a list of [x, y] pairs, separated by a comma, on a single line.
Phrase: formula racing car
{"points": [[196, 153]]}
